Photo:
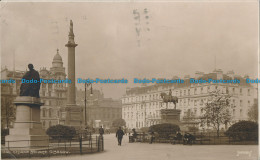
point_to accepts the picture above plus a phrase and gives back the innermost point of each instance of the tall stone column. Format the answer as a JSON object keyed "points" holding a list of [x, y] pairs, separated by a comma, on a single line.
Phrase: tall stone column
{"points": [[72, 115], [71, 98]]}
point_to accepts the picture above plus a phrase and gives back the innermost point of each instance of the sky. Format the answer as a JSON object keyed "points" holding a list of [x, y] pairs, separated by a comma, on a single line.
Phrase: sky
{"points": [[177, 38]]}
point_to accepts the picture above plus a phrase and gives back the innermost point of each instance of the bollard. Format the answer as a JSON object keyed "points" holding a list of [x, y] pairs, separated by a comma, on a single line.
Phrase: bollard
{"points": [[65, 149], [98, 144], [91, 145], [96, 141], [80, 144], [102, 143], [48, 151], [200, 137], [209, 138], [214, 139]]}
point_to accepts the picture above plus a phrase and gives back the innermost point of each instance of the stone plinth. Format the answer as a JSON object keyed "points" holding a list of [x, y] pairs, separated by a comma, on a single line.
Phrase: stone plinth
{"points": [[27, 131], [170, 116]]}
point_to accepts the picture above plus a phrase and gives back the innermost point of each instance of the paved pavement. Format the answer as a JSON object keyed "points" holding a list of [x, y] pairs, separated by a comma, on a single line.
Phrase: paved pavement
{"points": [[144, 151]]}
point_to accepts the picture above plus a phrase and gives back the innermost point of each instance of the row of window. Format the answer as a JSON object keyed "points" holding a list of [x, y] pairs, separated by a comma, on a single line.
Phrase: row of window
{"points": [[141, 124], [184, 92], [104, 116], [47, 124], [130, 115], [50, 86], [49, 112], [182, 102], [49, 94]]}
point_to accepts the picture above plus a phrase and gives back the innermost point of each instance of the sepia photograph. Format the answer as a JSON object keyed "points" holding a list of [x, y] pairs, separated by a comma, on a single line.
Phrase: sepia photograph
{"points": [[129, 80]]}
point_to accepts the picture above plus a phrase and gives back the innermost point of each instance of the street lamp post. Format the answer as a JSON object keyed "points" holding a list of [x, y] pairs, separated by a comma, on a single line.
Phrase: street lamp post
{"points": [[91, 92]]}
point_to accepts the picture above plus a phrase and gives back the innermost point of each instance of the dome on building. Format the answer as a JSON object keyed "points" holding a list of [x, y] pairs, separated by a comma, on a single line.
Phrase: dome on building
{"points": [[57, 57], [57, 60]]}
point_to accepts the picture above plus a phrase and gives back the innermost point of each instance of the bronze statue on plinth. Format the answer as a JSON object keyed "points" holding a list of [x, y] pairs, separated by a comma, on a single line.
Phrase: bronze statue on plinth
{"points": [[27, 131], [169, 98], [30, 83], [170, 115]]}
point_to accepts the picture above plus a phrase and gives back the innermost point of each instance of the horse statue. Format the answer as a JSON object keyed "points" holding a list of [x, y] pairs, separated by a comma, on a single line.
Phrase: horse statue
{"points": [[169, 98]]}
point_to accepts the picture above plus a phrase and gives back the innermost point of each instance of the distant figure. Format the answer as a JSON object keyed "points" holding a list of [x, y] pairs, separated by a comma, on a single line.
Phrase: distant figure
{"points": [[119, 134], [188, 138], [134, 133], [185, 138], [101, 131], [177, 138], [152, 137], [32, 86]]}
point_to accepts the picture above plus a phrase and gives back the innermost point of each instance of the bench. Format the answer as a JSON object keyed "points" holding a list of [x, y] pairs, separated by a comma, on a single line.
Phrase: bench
{"points": [[200, 140]]}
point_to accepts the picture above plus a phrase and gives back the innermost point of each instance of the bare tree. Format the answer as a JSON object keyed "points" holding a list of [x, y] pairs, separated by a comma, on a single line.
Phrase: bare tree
{"points": [[216, 111], [253, 113], [7, 113], [189, 116]]}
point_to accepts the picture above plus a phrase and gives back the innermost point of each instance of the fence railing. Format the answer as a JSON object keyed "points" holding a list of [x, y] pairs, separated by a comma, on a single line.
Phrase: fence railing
{"points": [[208, 138], [57, 146]]}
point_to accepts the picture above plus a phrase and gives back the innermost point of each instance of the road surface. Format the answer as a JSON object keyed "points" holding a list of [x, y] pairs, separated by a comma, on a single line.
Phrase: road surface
{"points": [[164, 151]]}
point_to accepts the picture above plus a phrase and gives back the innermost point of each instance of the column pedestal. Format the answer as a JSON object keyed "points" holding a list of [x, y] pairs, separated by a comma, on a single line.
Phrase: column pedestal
{"points": [[72, 115], [170, 116], [27, 130]]}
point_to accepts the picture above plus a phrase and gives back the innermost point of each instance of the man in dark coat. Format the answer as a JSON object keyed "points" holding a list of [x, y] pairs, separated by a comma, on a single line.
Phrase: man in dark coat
{"points": [[101, 131], [188, 138], [32, 87], [152, 137], [178, 137], [119, 134]]}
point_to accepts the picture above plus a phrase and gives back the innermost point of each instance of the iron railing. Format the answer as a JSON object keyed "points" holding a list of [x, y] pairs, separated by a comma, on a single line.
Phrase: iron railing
{"points": [[80, 144]]}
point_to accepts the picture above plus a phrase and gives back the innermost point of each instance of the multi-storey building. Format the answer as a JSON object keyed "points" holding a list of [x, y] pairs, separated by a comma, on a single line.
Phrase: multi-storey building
{"points": [[142, 105], [100, 110], [53, 94]]}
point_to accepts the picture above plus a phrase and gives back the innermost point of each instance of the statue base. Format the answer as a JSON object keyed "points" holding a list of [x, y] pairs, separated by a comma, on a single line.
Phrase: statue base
{"points": [[27, 131], [170, 116]]}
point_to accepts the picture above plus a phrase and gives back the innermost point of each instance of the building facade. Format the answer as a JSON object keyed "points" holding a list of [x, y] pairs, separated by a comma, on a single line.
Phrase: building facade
{"points": [[53, 95], [100, 111], [142, 105]]}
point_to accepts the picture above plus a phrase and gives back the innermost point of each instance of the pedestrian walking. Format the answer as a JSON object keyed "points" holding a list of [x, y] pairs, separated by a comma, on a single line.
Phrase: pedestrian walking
{"points": [[119, 134], [185, 138], [178, 137], [152, 137]]}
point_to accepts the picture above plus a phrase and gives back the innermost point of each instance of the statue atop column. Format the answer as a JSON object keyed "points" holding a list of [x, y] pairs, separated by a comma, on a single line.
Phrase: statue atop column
{"points": [[71, 29], [32, 83], [71, 26]]}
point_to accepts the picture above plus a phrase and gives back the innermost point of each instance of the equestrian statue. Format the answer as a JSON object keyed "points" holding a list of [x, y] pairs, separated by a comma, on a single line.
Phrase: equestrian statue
{"points": [[169, 98]]}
